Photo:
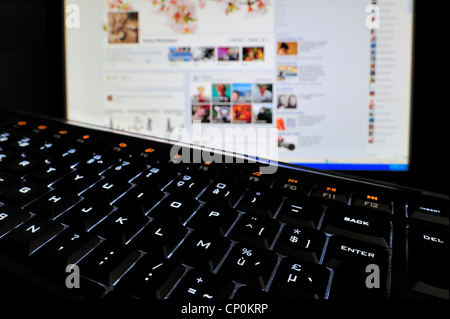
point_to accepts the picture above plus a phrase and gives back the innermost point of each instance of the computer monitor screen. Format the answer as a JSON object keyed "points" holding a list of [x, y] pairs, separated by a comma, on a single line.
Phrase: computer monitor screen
{"points": [[321, 83]]}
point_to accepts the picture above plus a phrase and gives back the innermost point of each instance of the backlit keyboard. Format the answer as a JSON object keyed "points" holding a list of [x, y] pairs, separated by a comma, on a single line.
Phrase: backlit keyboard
{"points": [[91, 213]]}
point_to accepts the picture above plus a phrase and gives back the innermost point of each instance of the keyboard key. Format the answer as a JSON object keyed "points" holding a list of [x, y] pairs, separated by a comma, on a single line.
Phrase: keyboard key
{"points": [[32, 234], [107, 190], [331, 193], [300, 242], [261, 202], [301, 211], [124, 170], [11, 217], [298, 279], [21, 166], [292, 184], [54, 204], [249, 265], [86, 214], [373, 201], [213, 218], [152, 277], [201, 250], [77, 181], [159, 238], [22, 143], [48, 173], [187, 184], [255, 178], [429, 212], [158, 176], [67, 248], [23, 193], [108, 262], [255, 230], [69, 155], [350, 260], [44, 148], [198, 285], [95, 164], [140, 198], [175, 208], [428, 266], [121, 225], [209, 170], [223, 193], [361, 224]]}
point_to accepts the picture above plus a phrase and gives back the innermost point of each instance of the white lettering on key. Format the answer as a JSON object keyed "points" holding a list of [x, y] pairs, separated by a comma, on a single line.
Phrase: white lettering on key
{"points": [[24, 190], [175, 204], [202, 244], [433, 239], [51, 169], [86, 210], [33, 228], [357, 251], [292, 278], [158, 232], [213, 213], [24, 163], [121, 220], [108, 186], [54, 199], [356, 221]]}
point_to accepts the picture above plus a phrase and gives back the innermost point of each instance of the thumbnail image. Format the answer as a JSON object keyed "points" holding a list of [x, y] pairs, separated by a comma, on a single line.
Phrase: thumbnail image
{"points": [[287, 142], [287, 48], [282, 101], [180, 54], [241, 92], [287, 72], [123, 27], [253, 53], [221, 92], [228, 53], [242, 113], [201, 92], [280, 124], [204, 54], [262, 113], [221, 113], [201, 112], [291, 101], [262, 92]]}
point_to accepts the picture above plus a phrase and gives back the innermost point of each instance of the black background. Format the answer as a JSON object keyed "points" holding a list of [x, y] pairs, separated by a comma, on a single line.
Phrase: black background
{"points": [[32, 79]]}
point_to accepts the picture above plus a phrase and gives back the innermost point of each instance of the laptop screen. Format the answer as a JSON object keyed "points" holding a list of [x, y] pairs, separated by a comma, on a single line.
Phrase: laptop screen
{"points": [[323, 83]]}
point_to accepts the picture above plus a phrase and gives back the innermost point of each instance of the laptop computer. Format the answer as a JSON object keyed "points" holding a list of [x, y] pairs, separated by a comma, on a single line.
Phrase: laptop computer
{"points": [[335, 94]]}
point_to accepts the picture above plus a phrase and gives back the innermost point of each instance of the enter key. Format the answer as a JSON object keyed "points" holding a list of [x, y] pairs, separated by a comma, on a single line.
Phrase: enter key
{"points": [[358, 223]]}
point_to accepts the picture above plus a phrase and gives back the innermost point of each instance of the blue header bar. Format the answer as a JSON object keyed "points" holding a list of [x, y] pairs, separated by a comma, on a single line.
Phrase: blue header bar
{"points": [[356, 167]]}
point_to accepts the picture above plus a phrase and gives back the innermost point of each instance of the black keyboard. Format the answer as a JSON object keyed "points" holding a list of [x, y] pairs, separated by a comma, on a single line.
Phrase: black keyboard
{"points": [[92, 213]]}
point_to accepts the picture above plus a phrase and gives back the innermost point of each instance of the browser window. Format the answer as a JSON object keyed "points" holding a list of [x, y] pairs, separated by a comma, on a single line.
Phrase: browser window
{"points": [[321, 83]]}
